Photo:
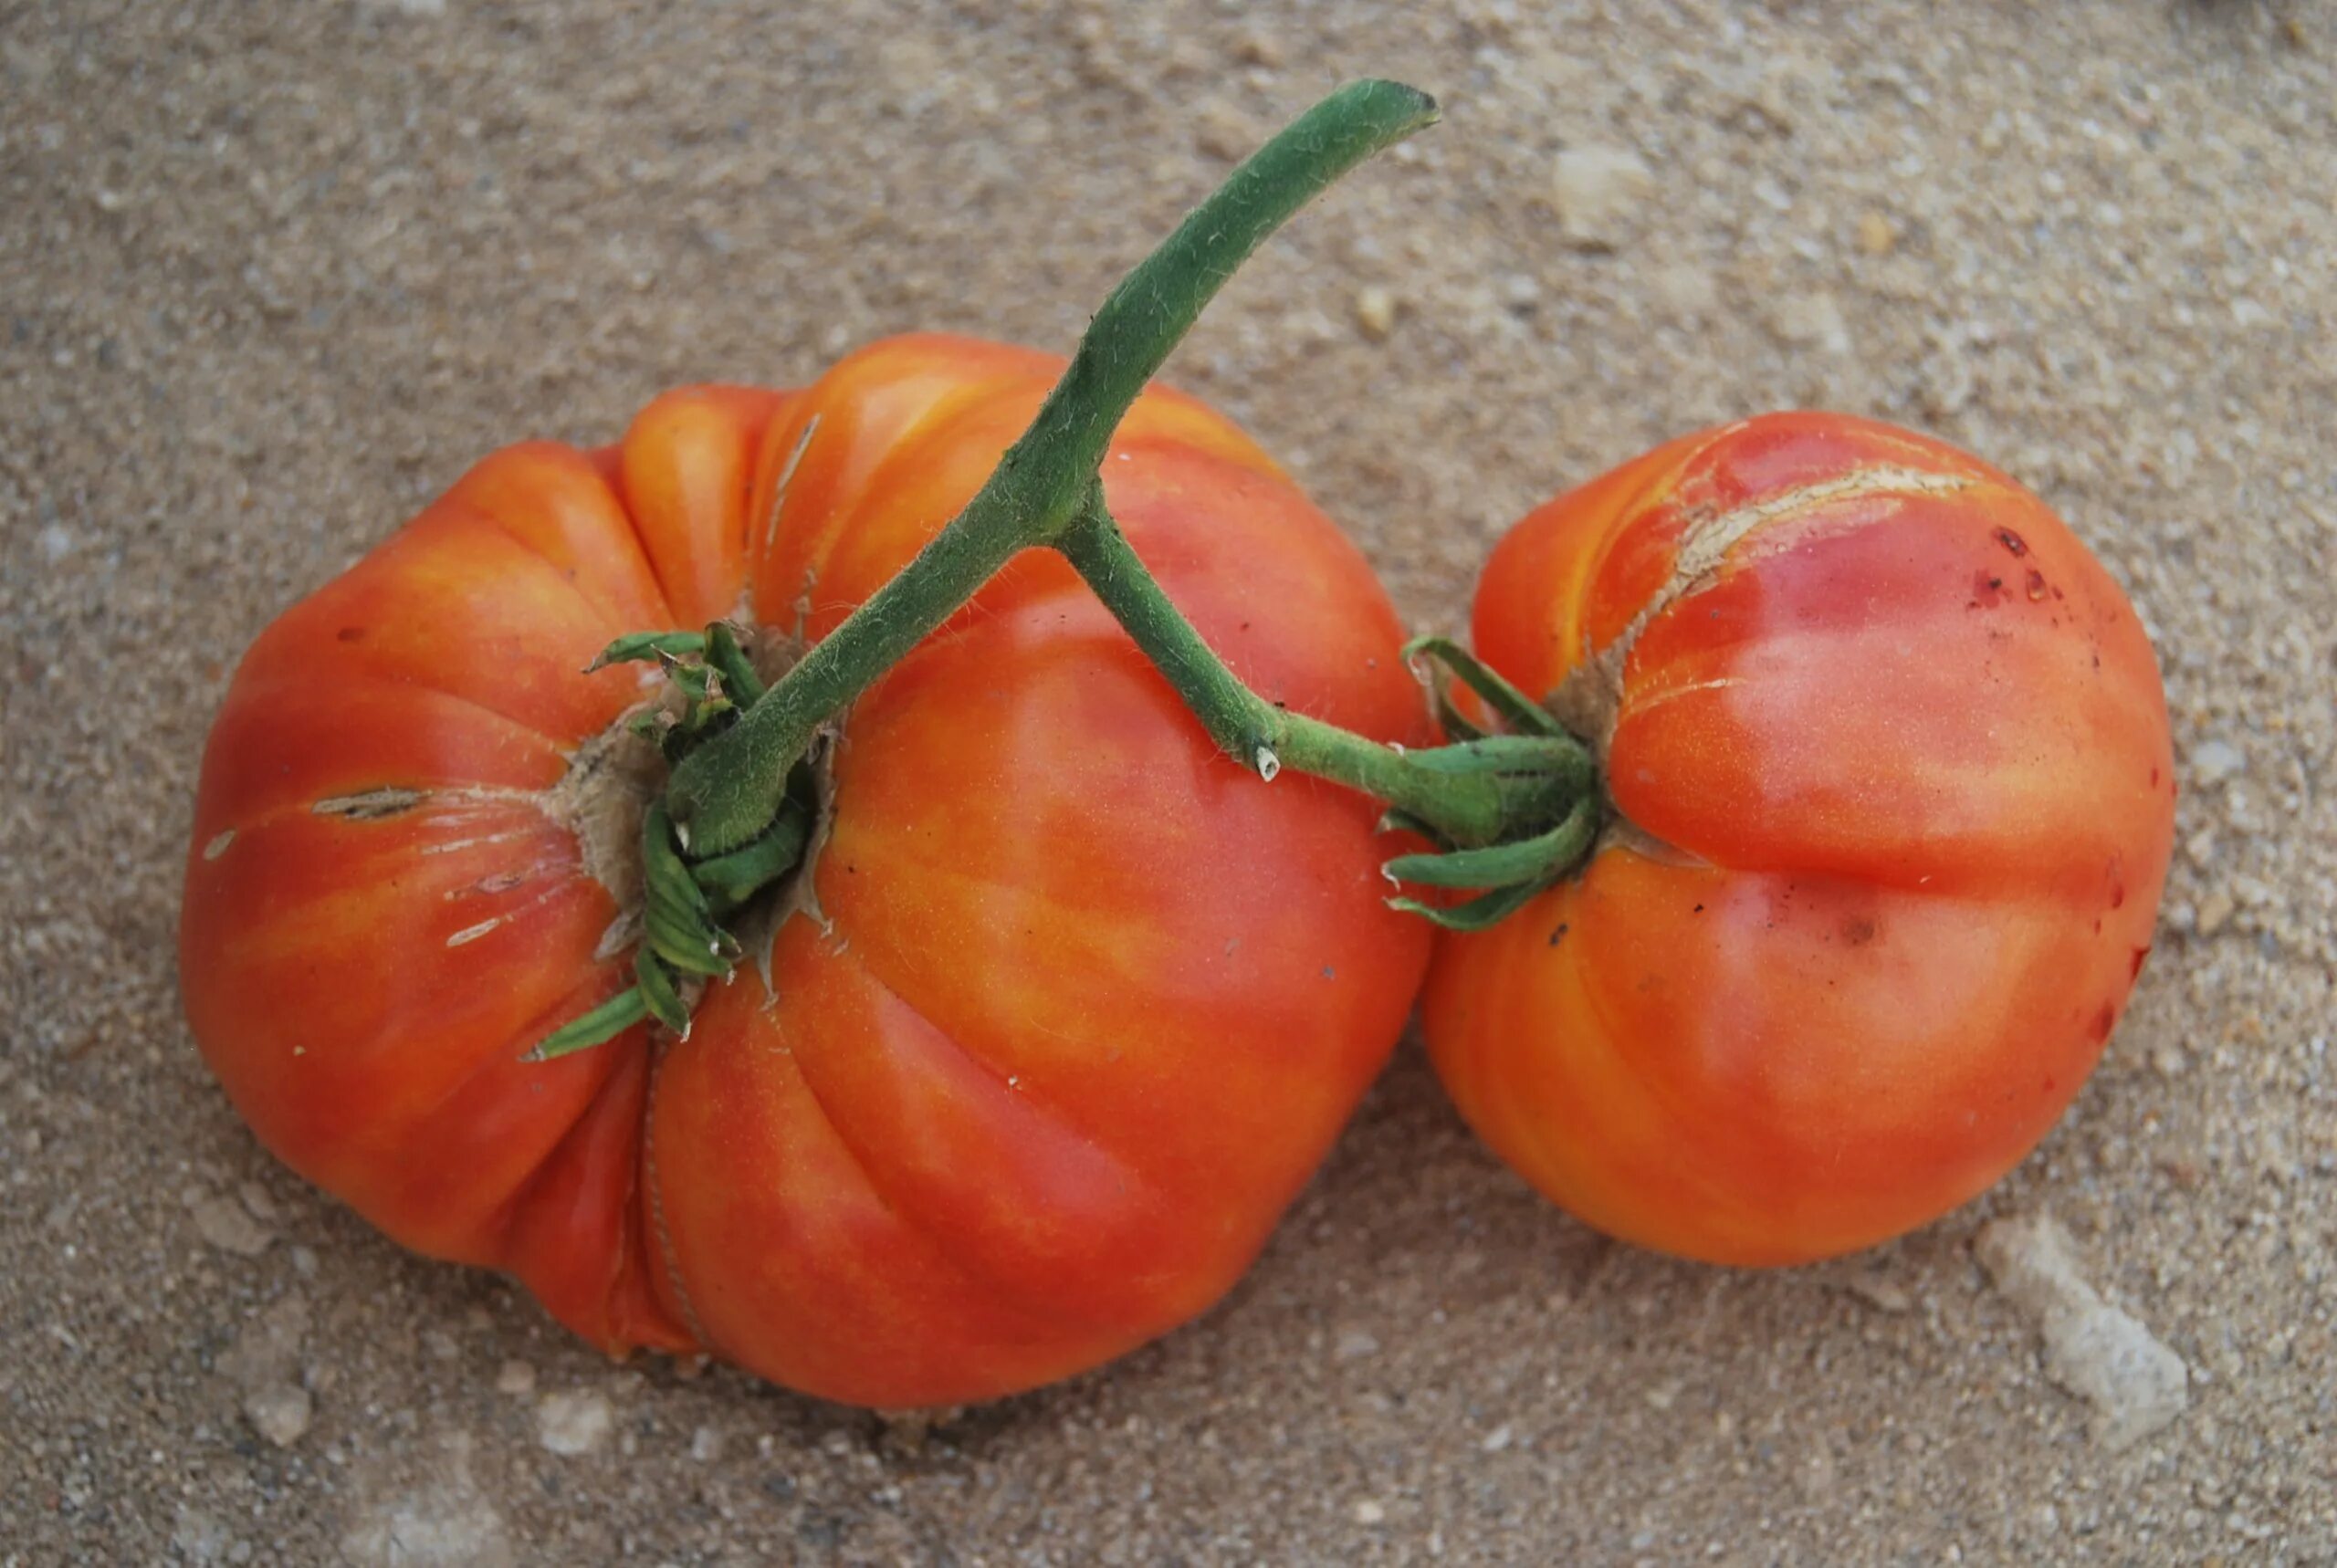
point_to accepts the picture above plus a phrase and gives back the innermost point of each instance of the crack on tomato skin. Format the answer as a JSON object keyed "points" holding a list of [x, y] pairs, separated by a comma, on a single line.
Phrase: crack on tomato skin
{"points": [[1589, 700], [371, 805], [779, 497]]}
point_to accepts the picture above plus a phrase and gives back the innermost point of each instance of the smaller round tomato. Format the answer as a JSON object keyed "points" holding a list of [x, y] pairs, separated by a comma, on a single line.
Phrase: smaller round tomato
{"points": [[1891, 798]]}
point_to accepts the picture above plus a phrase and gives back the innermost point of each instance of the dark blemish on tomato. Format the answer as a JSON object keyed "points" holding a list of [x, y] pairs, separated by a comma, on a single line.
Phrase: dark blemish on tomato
{"points": [[1554, 936], [1329, 973], [2058, 594], [2036, 584], [2051, 1084], [2012, 542], [2117, 895], [2097, 925], [1987, 589], [2153, 778], [350, 633], [371, 805], [1698, 910], [2103, 1022], [1860, 929], [2136, 972]]}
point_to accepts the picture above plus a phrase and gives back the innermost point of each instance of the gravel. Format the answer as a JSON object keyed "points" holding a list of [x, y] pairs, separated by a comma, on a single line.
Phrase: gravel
{"points": [[276, 275]]}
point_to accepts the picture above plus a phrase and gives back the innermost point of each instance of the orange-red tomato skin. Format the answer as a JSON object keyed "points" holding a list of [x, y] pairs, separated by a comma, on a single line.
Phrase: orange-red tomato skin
{"points": [[1896, 757], [1082, 1003]]}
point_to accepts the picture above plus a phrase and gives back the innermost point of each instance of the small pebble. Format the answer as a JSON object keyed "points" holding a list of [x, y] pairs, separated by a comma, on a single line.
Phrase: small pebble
{"points": [[279, 1413], [1811, 321], [223, 1223], [1369, 1512], [1374, 313], [2216, 911], [515, 1378], [2214, 761], [1877, 236], [1596, 191], [573, 1423]]}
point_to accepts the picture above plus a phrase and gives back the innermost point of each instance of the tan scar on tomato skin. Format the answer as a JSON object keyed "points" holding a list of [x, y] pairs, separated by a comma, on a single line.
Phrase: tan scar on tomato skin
{"points": [[1589, 700]]}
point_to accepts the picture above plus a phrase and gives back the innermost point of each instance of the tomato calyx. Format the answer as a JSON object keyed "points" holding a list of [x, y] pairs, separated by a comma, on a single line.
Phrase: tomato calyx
{"points": [[1553, 808], [689, 907]]}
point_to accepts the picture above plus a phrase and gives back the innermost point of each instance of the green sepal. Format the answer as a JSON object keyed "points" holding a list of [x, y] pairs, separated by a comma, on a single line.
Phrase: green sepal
{"points": [[600, 1026], [1395, 820], [728, 881], [705, 711], [697, 681], [657, 993], [1522, 713], [693, 947], [1535, 859], [730, 661], [1485, 909], [641, 647]]}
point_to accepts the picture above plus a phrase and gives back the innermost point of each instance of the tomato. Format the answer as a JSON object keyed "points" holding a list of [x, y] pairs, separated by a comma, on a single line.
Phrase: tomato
{"points": [[1892, 795], [1068, 1007]]}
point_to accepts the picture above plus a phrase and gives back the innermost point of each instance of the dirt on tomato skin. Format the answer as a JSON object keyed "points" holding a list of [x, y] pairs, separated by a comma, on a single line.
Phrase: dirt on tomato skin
{"points": [[278, 274]]}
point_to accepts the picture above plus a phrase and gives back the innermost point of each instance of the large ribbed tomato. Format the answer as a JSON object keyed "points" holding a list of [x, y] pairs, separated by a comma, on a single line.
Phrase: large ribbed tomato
{"points": [[1079, 1004], [1894, 794]]}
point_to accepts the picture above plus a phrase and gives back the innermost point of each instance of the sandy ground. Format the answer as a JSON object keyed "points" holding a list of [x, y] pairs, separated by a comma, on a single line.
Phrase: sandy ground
{"points": [[272, 276]]}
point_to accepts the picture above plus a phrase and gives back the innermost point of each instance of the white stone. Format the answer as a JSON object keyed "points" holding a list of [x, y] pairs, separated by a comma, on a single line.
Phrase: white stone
{"points": [[2136, 1385], [1596, 191], [223, 1222], [2213, 761], [573, 1423], [280, 1412]]}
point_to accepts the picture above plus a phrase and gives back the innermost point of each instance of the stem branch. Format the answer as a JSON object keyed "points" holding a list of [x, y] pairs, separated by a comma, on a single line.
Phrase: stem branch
{"points": [[726, 793], [1467, 807]]}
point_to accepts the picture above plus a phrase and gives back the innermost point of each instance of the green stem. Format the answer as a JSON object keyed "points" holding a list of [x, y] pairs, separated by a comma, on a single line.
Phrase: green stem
{"points": [[1469, 805], [725, 793]]}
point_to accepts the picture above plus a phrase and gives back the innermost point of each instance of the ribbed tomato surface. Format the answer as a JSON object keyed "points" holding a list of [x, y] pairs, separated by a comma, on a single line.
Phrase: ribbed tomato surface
{"points": [[1894, 792], [1076, 1007]]}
